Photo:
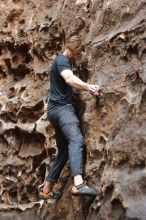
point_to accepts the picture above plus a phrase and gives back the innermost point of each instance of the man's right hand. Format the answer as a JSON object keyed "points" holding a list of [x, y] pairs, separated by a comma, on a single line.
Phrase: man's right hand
{"points": [[94, 89]]}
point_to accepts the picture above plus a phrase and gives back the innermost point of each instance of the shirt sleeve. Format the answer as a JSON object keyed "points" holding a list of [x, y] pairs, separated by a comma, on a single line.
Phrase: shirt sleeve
{"points": [[63, 64]]}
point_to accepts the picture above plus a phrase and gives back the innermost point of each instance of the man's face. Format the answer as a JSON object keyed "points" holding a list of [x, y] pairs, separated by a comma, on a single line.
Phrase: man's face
{"points": [[74, 55]]}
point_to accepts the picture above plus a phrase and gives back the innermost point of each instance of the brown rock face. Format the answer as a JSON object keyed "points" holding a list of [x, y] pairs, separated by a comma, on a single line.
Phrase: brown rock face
{"points": [[32, 33]]}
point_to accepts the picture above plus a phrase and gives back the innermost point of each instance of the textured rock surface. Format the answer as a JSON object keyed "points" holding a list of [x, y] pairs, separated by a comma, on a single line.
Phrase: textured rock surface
{"points": [[114, 125]]}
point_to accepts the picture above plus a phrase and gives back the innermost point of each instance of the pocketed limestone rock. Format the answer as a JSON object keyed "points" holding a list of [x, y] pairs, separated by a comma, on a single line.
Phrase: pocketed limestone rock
{"points": [[32, 34]]}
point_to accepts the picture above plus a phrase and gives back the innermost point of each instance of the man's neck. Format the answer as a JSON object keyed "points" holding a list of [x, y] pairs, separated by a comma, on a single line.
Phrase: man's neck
{"points": [[65, 53]]}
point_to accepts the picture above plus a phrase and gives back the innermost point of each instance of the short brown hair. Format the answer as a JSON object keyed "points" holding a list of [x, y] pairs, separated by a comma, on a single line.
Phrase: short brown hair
{"points": [[74, 43]]}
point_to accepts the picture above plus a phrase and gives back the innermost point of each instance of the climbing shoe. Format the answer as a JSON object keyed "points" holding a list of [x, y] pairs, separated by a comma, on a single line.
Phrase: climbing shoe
{"points": [[50, 198], [51, 195], [83, 189]]}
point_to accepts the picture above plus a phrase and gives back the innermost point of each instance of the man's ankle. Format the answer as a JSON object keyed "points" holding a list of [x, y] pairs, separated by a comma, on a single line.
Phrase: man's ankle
{"points": [[48, 187], [78, 180]]}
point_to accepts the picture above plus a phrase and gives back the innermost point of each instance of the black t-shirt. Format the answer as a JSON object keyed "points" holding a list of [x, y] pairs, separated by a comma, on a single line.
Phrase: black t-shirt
{"points": [[60, 91]]}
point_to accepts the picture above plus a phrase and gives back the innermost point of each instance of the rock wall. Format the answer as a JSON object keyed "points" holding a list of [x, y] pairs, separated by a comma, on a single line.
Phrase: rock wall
{"points": [[32, 33]]}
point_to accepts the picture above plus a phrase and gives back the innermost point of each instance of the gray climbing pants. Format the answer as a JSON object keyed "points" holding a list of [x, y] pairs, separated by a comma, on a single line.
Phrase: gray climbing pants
{"points": [[69, 140]]}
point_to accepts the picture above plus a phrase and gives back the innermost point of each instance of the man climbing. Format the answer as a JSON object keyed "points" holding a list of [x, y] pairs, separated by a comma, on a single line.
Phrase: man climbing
{"points": [[61, 114]]}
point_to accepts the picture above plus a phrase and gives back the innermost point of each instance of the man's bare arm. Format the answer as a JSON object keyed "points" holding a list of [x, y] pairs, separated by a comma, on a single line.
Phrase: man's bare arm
{"points": [[77, 83]]}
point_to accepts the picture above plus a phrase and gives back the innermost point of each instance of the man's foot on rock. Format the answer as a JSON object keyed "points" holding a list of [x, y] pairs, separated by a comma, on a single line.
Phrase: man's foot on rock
{"points": [[83, 189], [50, 195], [50, 198]]}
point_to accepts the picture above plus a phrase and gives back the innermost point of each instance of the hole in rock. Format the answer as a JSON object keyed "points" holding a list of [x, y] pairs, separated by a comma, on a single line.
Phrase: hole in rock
{"points": [[102, 140], [24, 121], [3, 145], [96, 154], [30, 189], [50, 19], [31, 113], [32, 144], [8, 63], [2, 72], [11, 93], [118, 212], [22, 21], [51, 151], [101, 169], [43, 166], [24, 51], [42, 171], [13, 195], [141, 164], [22, 89], [55, 28], [133, 49], [5, 24], [109, 190], [144, 50], [19, 50], [38, 159], [14, 15], [124, 58], [15, 58], [88, 5], [44, 29], [84, 74], [20, 72], [8, 117]]}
